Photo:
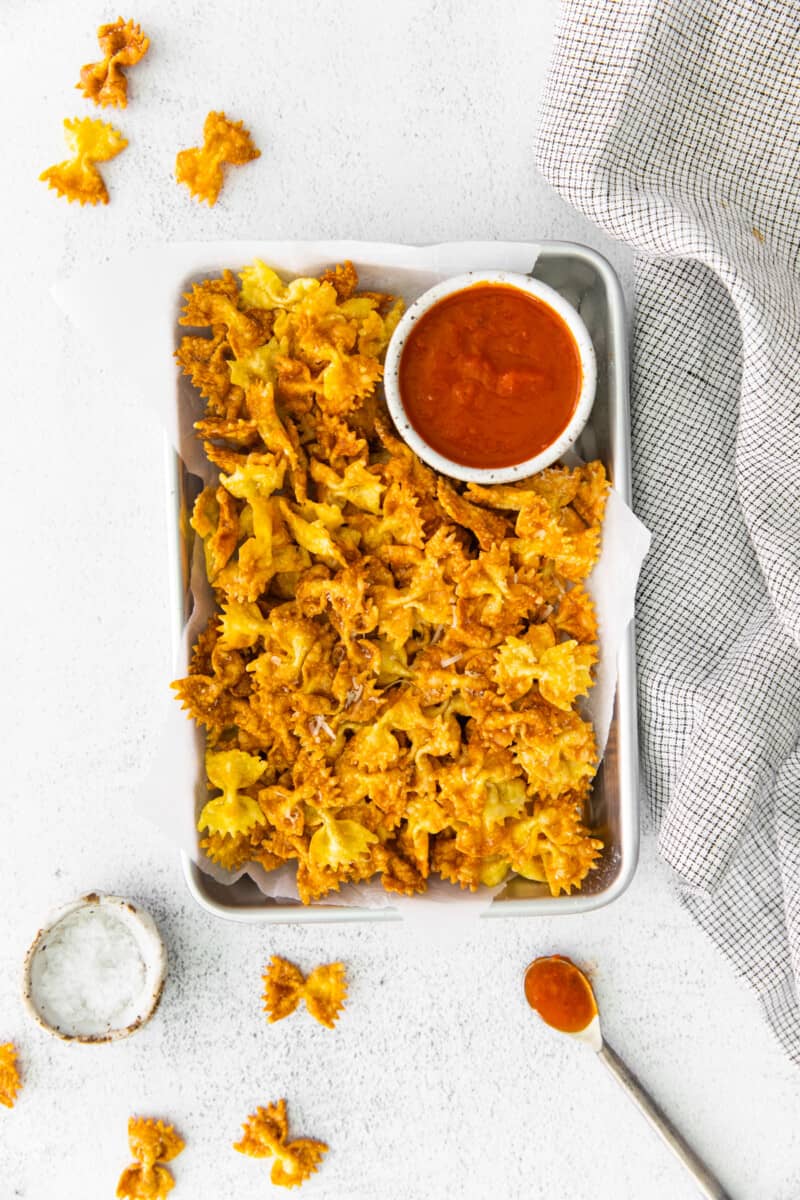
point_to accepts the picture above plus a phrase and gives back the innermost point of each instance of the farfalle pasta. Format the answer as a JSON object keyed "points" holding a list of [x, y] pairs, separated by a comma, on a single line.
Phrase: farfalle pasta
{"points": [[391, 685], [152, 1144], [324, 990], [9, 1075], [265, 1134], [90, 141], [123, 45], [200, 168]]}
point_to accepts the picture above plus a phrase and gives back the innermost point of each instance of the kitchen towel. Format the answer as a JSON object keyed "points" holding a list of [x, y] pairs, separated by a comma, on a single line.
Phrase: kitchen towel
{"points": [[675, 125]]}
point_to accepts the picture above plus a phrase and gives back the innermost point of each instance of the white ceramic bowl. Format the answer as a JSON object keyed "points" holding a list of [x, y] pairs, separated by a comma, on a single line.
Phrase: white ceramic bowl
{"points": [[551, 453], [141, 926]]}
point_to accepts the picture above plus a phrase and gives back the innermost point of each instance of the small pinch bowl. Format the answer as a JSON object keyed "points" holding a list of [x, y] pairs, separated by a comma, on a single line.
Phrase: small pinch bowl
{"points": [[521, 470], [151, 948]]}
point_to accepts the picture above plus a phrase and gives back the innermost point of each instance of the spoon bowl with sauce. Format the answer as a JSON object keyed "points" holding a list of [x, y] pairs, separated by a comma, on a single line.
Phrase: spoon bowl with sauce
{"points": [[490, 376], [563, 997]]}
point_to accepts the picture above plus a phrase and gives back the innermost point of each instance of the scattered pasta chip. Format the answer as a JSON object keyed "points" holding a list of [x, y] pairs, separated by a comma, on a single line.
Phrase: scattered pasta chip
{"points": [[91, 141], [224, 141], [152, 1143], [265, 1135], [123, 45], [283, 988], [324, 990], [325, 993], [9, 1075], [391, 684], [140, 1182]]}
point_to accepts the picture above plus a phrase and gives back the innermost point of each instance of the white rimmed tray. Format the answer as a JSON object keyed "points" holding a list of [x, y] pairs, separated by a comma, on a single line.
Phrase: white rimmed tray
{"points": [[584, 278]]}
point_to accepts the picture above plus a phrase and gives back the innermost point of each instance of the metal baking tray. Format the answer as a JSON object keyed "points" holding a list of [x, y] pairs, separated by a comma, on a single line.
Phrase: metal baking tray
{"points": [[588, 281]]}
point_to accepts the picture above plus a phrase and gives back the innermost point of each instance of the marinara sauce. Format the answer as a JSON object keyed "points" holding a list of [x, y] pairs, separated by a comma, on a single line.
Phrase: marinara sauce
{"points": [[560, 993], [490, 376]]}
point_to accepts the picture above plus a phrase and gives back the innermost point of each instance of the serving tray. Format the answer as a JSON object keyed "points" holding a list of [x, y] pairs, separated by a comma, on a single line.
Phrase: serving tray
{"points": [[587, 280]]}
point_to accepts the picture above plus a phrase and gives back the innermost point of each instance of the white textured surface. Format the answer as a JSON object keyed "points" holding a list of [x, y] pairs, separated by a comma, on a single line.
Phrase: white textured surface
{"points": [[412, 122]]}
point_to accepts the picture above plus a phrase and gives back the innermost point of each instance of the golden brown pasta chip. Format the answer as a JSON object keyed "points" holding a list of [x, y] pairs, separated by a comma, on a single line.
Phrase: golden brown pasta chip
{"points": [[265, 1135], [91, 141], [324, 990], [152, 1143], [123, 44], [224, 141], [9, 1075], [236, 811]]}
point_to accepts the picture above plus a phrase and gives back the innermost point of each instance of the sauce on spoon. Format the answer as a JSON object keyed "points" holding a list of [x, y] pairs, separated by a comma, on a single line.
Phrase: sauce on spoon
{"points": [[560, 993]]}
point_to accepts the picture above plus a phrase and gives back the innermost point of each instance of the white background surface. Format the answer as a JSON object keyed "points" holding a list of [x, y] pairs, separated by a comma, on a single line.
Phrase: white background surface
{"points": [[409, 122]]}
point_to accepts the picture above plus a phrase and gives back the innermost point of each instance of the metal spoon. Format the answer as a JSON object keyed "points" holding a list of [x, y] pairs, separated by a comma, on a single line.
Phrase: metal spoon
{"points": [[581, 992]]}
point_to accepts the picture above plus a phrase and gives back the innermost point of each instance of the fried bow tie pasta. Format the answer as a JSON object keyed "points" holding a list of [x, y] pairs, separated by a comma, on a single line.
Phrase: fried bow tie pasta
{"points": [[77, 178], [123, 44], [152, 1143], [265, 1135], [9, 1075], [324, 990], [224, 141], [391, 684]]}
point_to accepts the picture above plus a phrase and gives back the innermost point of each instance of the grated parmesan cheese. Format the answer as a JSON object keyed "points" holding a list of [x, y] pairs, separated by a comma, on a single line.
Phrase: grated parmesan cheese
{"points": [[88, 975], [318, 723]]}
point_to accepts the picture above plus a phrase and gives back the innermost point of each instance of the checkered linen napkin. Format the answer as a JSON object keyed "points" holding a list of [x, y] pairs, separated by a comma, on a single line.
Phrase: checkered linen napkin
{"points": [[676, 127]]}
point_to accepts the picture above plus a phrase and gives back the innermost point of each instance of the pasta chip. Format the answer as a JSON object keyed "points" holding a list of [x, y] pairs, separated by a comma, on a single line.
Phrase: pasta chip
{"points": [[9, 1075], [391, 684], [338, 843], [324, 990], [344, 278], [325, 993], [564, 673], [152, 1143], [224, 141], [265, 1135], [123, 45], [283, 988], [234, 811], [552, 846], [207, 363], [90, 141], [140, 1182], [232, 850], [576, 615]]}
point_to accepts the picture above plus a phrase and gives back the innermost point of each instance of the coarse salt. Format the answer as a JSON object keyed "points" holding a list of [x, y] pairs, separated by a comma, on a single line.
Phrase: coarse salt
{"points": [[88, 975]]}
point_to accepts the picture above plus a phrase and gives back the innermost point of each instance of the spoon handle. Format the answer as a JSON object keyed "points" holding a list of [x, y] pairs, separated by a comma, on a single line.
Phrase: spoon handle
{"points": [[708, 1185]]}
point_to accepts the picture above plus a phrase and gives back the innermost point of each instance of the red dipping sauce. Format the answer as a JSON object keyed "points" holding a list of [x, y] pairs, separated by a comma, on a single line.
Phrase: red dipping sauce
{"points": [[490, 376], [560, 993]]}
